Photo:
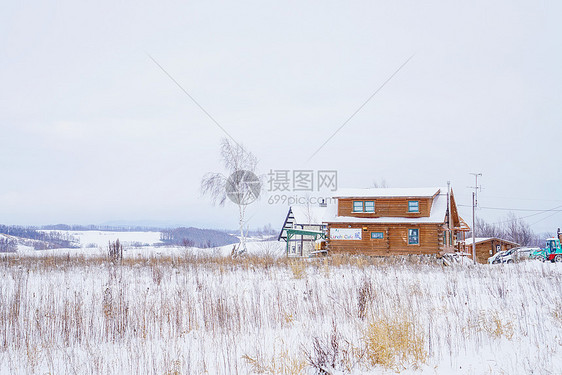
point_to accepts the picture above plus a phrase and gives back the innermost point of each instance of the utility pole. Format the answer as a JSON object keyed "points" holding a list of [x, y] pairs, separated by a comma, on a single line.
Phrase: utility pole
{"points": [[474, 204], [449, 225], [449, 203]]}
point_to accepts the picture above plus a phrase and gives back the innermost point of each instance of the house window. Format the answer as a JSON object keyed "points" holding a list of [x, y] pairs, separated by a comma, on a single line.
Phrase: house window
{"points": [[369, 206], [357, 206], [413, 206], [413, 236], [377, 235]]}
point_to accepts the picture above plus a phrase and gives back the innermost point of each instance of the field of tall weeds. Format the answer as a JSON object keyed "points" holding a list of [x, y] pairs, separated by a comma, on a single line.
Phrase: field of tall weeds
{"points": [[189, 314]]}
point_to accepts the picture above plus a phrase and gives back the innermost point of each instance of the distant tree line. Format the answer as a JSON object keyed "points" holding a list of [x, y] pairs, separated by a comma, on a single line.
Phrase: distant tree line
{"points": [[196, 237], [41, 240], [8, 245], [105, 228], [266, 230], [512, 229]]}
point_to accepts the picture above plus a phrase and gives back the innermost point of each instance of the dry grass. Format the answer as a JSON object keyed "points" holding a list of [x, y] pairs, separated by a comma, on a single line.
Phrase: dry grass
{"points": [[195, 314], [396, 343], [280, 363], [556, 313], [494, 324], [334, 353], [298, 267]]}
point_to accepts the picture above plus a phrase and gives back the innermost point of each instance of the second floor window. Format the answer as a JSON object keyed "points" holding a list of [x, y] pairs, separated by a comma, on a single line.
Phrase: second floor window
{"points": [[369, 206], [413, 206], [357, 206]]}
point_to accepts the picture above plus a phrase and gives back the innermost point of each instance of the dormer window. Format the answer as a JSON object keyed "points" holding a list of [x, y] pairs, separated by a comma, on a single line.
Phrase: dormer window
{"points": [[413, 206], [369, 206], [357, 206]]}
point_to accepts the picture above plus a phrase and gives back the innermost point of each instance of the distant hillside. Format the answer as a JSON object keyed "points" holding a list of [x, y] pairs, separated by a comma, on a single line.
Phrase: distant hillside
{"points": [[197, 237], [8, 244], [39, 240]]}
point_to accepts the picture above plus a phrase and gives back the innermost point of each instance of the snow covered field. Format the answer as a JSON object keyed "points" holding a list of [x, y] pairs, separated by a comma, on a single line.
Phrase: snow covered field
{"points": [[178, 311], [96, 238], [142, 244]]}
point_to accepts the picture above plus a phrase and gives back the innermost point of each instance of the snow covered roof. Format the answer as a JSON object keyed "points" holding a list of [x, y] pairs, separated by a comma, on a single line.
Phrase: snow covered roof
{"points": [[304, 215], [309, 214], [468, 241], [437, 214], [389, 192]]}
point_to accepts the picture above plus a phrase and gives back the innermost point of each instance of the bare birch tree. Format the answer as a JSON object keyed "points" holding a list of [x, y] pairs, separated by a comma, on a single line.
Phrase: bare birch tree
{"points": [[380, 184], [241, 185]]}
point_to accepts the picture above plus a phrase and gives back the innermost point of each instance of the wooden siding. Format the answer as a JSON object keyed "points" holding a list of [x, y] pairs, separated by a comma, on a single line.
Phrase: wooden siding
{"points": [[395, 241], [387, 207], [486, 249]]}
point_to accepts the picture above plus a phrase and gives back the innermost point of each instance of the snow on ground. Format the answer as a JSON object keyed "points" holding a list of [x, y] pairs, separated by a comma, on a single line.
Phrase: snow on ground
{"points": [[128, 239], [193, 311], [97, 238], [145, 244], [257, 248]]}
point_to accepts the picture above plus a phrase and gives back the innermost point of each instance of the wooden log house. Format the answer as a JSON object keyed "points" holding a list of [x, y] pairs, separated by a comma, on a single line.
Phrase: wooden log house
{"points": [[395, 222], [486, 247]]}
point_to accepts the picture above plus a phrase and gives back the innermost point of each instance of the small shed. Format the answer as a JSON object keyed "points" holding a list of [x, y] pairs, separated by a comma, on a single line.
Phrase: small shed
{"points": [[488, 246], [310, 236]]}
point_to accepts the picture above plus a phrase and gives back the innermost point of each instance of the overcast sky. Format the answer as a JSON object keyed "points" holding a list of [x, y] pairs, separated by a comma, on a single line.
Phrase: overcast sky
{"points": [[93, 131]]}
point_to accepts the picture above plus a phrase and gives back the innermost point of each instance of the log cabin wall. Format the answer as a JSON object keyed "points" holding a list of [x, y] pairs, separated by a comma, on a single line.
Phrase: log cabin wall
{"points": [[394, 241], [486, 249], [482, 251], [386, 207]]}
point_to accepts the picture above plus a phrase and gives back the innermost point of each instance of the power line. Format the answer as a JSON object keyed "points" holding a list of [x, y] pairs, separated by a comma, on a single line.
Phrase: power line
{"points": [[525, 199], [544, 218], [509, 209], [555, 209]]}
